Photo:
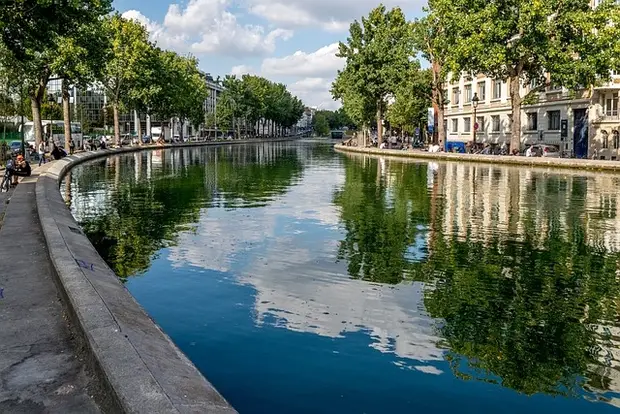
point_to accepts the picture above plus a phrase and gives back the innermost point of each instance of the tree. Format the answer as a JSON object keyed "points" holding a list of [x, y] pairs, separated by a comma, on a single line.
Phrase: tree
{"points": [[320, 124], [79, 60], [129, 55], [249, 99], [377, 53], [432, 37], [30, 31], [412, 99], [532, 43]]}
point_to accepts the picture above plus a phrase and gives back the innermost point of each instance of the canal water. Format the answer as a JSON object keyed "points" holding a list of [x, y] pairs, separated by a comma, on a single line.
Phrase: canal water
{"points": [[300, 280]]}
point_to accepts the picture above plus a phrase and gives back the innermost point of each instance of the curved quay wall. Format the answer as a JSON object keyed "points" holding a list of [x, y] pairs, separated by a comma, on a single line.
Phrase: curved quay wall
{"points": [[570, 163], [141, 369]]}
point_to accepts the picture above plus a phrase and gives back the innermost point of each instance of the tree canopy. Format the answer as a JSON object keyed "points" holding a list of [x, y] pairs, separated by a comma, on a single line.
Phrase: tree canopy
{"points": [[532, 45], [249, 99], [377, 53]]}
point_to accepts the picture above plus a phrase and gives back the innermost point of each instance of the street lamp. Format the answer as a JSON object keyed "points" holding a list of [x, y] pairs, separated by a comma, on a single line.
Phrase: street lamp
{"points": [[474, 102]]}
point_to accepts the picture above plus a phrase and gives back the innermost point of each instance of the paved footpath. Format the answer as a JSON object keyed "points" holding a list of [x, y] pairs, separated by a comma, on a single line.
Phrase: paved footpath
{"points": [[40, 368]]}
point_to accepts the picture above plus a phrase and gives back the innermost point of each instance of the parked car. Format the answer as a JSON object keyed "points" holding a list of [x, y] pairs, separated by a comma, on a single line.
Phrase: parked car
{"points": [[15, 147], [547, 151]]}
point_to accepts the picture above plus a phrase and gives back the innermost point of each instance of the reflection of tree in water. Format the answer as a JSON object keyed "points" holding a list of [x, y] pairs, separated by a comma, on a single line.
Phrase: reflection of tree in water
{"points": [[517, 310], [380, 227], [144, 215], [520, 313], [255, 184]]}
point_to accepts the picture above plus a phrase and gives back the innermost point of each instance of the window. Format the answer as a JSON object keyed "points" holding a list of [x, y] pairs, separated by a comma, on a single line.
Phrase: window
{"points": [[497, 89], [467, 124], [554, 120], [480, 121], [482, 91], [611, 105], [532, 121], [605, 139], [616, 135], [455, 125], [495, 123], [455, 96], [467, 93]]}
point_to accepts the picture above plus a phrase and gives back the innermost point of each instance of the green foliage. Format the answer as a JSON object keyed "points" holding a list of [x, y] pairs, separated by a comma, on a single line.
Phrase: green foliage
{"points": [[524, 40], [377, 53], [334, 119], [42, 36], [129, 55], [320, 123], [248, 99], [412, 100], [30, 28]]}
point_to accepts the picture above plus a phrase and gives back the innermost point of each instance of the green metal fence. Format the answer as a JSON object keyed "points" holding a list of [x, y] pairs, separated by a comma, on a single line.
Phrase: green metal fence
{"points": [[10, 136]]}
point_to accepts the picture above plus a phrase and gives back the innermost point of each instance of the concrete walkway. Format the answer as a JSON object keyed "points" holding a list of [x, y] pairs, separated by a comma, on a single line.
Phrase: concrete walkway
{"points": [[41, 370], [566, 163]]}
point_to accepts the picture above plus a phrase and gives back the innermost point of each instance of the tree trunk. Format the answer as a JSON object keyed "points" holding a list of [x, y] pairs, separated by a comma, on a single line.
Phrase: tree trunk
{"points": [[139, 128], [66, 113], [379, 124], [117, 129], [439, 137], [36, 119], [36, 98], [441, 130], [515, 129]]}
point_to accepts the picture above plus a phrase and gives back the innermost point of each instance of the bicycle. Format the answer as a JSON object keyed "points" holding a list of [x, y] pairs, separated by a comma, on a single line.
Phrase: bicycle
{"points": [[6, 180]]}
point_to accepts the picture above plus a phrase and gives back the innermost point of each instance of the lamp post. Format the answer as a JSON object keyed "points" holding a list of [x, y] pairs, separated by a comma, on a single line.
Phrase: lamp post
{"points": [[474, 103]]}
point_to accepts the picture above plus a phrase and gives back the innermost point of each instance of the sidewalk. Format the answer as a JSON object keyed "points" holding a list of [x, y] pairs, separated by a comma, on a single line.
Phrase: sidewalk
{"points": [[40, 370]]}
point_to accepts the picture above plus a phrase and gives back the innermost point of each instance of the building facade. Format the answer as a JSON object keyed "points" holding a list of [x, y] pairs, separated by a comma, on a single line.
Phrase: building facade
{"points": [[589, 117]]}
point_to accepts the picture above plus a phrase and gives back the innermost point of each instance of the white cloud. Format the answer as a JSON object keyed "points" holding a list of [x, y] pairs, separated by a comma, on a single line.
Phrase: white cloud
{"points": [[312, 74], [242, 70], [332, 15], [320, 63], [314, 92], [207, 26]]}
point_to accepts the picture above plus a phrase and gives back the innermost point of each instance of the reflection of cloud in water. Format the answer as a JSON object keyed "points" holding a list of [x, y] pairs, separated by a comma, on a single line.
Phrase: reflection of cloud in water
{"points": [[293, 269], [222, 234], [330, 304]]}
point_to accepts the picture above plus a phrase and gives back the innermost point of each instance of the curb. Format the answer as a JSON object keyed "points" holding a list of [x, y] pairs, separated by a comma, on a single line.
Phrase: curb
{"points": [[141, 369], [565, 163]]}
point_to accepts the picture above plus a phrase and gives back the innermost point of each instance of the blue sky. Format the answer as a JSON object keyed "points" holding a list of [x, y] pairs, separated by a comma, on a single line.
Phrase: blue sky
{"points": [[289, 41]]}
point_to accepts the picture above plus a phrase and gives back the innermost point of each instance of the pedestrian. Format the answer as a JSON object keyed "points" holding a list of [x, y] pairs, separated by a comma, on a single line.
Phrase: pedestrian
{"points": [[71, 147], [41, 151]]}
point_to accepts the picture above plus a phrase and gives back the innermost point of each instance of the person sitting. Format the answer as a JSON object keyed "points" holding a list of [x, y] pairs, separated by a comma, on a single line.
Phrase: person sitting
{"points": [[58, 152], [21, 168]]}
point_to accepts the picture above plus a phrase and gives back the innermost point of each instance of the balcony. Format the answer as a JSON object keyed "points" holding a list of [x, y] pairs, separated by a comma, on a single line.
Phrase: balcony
{"points": [[605, 116], [613, 84]]}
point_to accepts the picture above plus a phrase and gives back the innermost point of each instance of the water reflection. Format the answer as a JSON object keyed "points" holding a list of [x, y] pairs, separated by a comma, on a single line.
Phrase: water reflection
{"points": [[490, 275], [521, 266]]}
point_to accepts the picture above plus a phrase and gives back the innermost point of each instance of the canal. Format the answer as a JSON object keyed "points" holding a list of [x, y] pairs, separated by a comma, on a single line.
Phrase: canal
{"points": [[300, 280]]}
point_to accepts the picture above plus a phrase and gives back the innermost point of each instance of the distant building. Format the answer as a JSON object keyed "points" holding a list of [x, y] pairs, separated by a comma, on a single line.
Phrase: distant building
{"points": [[591, 117]]}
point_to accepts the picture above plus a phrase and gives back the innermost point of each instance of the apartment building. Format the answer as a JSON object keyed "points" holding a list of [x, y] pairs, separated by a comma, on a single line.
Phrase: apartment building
{"points": [[583, 123]]}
